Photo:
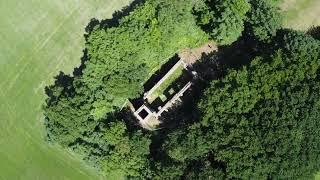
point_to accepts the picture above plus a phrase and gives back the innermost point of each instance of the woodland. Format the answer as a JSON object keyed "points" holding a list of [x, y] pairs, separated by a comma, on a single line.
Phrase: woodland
{"points": [[253, 115]]}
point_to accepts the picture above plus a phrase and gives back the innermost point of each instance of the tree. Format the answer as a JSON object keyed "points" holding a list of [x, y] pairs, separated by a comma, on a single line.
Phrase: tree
{"points": [[264, 19], [256, 120], [67, 118], [122, 57], [222, 19], [129, 154], [187, 144], [298, 45], [261, 116], [82, 110], [204, 169], [168, 169]]}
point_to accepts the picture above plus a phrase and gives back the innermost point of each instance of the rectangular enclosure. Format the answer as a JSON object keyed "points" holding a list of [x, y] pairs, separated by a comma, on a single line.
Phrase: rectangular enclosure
{"points": [[165, 82]]}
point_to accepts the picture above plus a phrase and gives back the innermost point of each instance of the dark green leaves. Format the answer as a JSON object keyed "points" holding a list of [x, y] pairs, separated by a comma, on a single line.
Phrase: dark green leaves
{"points": [[222, 19], [258, 115], [264, 19], [81, 111]]}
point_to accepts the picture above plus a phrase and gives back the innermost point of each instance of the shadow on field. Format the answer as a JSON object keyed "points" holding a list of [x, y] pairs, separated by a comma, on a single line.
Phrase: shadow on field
{"points": [[63, 85], [314, 32]]}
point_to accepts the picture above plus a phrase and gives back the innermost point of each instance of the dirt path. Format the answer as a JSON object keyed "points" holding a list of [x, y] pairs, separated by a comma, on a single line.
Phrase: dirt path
{"points": [[190, 56]]}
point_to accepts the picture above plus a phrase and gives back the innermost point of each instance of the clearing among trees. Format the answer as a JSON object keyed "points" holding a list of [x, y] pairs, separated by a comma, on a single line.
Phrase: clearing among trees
{"points": [[170, 88]]}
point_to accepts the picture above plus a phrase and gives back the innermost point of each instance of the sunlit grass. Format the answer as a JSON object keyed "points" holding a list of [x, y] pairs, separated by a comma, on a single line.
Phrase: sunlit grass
{"points": [[39, 38], [163, 86], [301, 14]]}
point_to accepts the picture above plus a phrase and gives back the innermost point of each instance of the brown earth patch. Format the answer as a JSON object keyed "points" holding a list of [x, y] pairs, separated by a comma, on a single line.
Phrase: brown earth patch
{"points": [[190, 56]]}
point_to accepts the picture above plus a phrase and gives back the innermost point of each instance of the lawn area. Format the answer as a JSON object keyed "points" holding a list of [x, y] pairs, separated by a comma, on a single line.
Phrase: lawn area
{"points": [[37, 39], [165, 84], [301, 14]]}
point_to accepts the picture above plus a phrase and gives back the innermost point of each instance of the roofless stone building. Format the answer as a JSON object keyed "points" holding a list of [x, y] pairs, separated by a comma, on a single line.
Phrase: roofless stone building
{"points": [[169, 84]]}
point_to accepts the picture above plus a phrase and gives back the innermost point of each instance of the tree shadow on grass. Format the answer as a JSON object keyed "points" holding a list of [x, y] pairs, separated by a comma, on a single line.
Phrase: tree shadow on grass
{"points": [[314, 32], [63, 84]]}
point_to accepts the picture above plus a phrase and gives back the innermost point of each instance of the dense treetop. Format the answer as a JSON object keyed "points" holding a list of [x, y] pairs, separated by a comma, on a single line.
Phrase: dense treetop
{"points": [[123, 57], [258, 120], [223, 19], [120, 59], [264, 19]]}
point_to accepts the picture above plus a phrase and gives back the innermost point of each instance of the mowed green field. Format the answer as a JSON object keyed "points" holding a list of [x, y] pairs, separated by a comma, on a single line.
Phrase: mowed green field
{"points": [[301, 14], [37, 39]]}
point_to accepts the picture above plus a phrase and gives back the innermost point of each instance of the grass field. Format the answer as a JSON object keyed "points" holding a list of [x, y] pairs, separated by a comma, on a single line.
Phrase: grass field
{"points": [[301, 14], [37, 39]]}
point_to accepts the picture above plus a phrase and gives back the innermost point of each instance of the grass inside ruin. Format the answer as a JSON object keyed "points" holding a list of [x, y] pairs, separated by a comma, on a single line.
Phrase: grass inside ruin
{"points": [[163, 86]]}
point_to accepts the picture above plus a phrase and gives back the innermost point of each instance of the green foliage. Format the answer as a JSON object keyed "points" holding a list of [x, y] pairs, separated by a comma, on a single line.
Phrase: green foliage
{"points": [[300, 45], [129, 155], [257, 122], [121, 58], [260, 117], [114, 134], [167, 169], [80, 110], [187, 144], [66, 117], [222, 19], [204, 170], [264, 19]]}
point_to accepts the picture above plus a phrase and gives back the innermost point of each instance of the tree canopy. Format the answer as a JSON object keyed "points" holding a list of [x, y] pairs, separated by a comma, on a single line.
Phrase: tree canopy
{"points": [[264, 19], [223, 19], [258, 120], [81, 110]]}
